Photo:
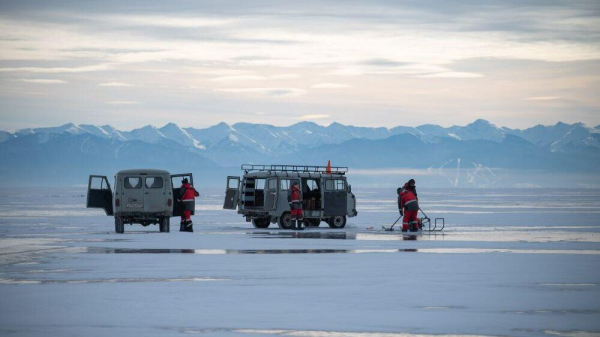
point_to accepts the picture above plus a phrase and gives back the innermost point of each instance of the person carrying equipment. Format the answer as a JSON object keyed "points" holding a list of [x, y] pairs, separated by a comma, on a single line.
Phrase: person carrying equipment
{"points": [[295, 200], [187, 193], [408, 205]]}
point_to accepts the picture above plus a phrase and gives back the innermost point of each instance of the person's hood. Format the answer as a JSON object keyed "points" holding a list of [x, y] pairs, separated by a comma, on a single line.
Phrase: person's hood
{"points": [[186, 185]]}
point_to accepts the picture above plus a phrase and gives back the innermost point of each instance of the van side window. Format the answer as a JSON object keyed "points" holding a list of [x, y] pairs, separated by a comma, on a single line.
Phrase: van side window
{"points": [[132, 182], [284, 185], [259, 184], [312, 184], [335, 185], [98, 183], [154, 182], [272, 184]]}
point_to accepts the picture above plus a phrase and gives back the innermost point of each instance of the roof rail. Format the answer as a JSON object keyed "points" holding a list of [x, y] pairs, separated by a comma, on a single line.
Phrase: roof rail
{"points": [[294, 168]]}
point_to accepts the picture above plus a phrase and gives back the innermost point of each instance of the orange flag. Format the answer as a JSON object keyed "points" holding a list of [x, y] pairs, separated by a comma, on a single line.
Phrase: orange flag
{"points": [[328, 166]]}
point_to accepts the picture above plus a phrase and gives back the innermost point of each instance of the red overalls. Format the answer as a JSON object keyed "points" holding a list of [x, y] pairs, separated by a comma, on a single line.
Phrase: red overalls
{"points": [[188, 202], [296, 204], [408, 201]]}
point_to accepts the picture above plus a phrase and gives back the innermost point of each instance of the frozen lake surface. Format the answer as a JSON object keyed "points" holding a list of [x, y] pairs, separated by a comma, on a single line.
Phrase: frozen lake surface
{"points": [[509, 263]]}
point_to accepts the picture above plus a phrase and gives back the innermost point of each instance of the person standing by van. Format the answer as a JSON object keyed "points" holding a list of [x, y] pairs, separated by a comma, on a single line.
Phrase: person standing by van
{"points": [[408, 205], [187, 194], [295, 200]]}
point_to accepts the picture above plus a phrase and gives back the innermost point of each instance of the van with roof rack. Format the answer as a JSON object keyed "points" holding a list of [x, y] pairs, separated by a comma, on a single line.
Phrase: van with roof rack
{"points": [[143, 196], [261, 195]]}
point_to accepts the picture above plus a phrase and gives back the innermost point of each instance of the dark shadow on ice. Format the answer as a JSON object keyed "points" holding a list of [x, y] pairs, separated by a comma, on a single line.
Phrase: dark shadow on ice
{"points": [[303, 235], [102, 250]]}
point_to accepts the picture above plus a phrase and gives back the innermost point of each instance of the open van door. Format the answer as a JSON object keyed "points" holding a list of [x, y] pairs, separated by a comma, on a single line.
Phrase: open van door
{"points": [[99, 194], [176, 184], [335, 197], [271, 194], [232, 193]]}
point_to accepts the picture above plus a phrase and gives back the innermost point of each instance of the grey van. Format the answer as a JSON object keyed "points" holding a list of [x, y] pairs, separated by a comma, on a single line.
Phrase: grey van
{"points": [[143, 196], [261, 195]]}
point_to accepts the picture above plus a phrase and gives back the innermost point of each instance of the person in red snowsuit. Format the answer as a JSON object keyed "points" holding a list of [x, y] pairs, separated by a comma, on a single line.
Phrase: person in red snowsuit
{"points": [[295, 200], [408, 205], [187, 193]]}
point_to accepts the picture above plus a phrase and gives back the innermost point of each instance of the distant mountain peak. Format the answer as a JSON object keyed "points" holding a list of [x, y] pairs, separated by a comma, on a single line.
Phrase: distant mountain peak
{"points": [[306, 123], [481, 123], [171, 125]]}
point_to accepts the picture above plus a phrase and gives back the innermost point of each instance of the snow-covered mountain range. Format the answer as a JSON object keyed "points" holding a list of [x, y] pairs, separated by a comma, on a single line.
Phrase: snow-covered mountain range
{"points": [[274, 140], [76, 150]]}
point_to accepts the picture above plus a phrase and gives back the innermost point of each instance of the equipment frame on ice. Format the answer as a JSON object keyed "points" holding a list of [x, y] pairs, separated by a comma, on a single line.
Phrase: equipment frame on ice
{"points": [[261, 195], [425, 220]]}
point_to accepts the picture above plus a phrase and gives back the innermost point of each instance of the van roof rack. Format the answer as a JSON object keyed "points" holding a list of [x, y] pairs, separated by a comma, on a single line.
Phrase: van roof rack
{"points": [[294, 168]]}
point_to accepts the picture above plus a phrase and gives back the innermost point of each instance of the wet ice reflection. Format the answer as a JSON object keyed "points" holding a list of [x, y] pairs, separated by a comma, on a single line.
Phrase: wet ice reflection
{"points": [[103, 250]]}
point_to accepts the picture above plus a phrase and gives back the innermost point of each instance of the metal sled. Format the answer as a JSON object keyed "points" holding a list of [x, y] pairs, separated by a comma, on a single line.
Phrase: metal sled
{"points": [[427, 221]]}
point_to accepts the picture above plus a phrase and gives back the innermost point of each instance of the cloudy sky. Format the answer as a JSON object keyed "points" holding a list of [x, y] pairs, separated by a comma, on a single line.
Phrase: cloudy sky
{"points": [[372, 63]]}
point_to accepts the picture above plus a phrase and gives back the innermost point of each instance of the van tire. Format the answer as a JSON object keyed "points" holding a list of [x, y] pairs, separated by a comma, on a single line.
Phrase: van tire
{"points": [[165, 225], [119, 225], [285, 221], [337, 222], [312, 222], [261, 222]]}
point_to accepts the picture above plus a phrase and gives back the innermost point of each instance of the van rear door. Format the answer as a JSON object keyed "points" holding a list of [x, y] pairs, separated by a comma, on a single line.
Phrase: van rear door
{"points": [[99, 194], [155, 194], [232, 193], [176, 183], [335, 196]]}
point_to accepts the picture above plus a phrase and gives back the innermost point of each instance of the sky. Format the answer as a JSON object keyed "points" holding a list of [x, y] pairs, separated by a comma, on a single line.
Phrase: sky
{"points": [[367, 63]]}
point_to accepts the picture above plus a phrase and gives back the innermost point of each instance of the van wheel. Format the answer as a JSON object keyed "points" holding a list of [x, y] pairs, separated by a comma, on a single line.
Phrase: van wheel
{"points": [[261, 222], [119, 225], [165, 225], [312, 222], [285, 221], [338, 221]]}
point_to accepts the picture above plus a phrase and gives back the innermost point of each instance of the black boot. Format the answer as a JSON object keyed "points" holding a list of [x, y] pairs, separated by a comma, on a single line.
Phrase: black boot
{"points": [[300, 225], [182, 226], [189, 226]]}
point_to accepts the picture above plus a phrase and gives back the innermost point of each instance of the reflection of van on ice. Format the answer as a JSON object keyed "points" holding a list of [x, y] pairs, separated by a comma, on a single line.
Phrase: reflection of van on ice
{"points": [[262, 195], [141, 196]]}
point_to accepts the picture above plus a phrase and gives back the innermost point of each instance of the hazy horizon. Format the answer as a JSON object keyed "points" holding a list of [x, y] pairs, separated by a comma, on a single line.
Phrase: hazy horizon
{"points": [[158, 126]]}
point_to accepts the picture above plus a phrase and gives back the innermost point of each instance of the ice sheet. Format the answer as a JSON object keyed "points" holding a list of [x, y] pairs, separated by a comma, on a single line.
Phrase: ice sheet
{"points": [[517, 271]]}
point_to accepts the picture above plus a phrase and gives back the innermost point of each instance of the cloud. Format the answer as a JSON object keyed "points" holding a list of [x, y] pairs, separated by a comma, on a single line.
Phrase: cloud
{"points": [[166, 21], [542, 98], [239, 78], [329, 86], [285, 76], [309, 117], [277, 92], [53, 70], [123, 102], [115, 84], [41, 81], [451, 74]]}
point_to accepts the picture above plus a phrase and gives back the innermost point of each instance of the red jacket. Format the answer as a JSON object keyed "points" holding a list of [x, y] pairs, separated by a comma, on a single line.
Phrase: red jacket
{"points": [[188, 192], [408, 201], [296, 194]]}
